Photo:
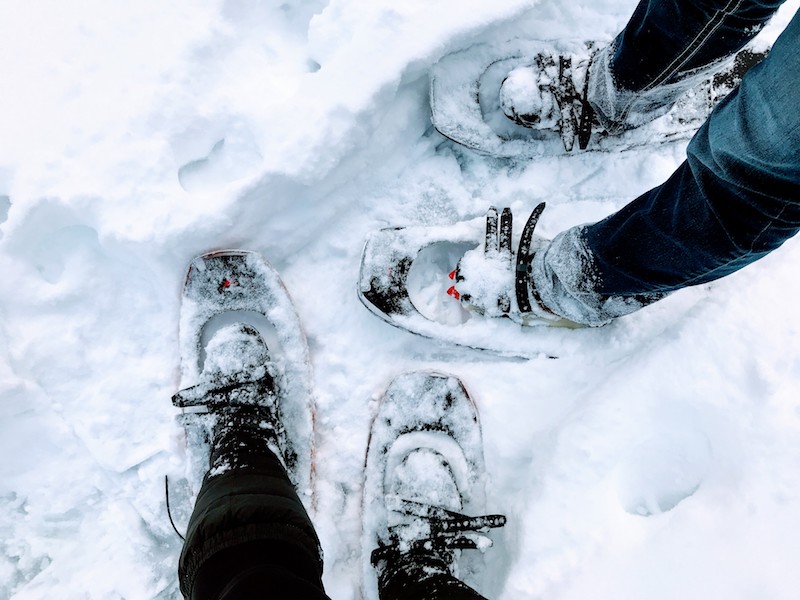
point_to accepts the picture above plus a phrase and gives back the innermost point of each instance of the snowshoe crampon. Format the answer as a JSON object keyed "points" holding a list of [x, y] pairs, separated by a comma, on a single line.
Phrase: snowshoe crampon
{"points": [[425, 422], [235, 286], [466, 105], [405, 280]]}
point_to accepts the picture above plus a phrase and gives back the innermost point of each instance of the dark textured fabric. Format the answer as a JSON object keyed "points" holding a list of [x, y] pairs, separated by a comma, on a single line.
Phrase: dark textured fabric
{"points": [[258, 570], [667, 38], [251, 505]]}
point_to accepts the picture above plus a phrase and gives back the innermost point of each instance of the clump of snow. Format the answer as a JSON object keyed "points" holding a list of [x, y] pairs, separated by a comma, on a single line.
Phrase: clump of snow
{"points": [[488, 280], [526, 94], [424, 476], [235, 350]]}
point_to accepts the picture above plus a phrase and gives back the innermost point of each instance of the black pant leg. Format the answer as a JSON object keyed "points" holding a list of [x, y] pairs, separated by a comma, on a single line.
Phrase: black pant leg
{"points": [[248, 525], [257, 570]]}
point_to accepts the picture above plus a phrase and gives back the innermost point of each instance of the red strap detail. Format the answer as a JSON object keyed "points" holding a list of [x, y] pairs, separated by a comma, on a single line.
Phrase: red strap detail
{"points": [[452, 274], [226, 283], [452, 291]]}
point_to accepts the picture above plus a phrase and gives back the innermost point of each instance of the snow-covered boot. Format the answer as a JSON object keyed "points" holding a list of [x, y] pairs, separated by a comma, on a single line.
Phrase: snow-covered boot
{"points": [[238, 387], [577, 95], [551, 93], [424, 474], [494, 280], [618, 109]]}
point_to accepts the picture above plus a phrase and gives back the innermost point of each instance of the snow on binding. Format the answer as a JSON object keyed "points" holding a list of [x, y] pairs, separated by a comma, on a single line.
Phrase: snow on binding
{"points": [[468, 108], [235, 287], [407, 280], [424, 478]]}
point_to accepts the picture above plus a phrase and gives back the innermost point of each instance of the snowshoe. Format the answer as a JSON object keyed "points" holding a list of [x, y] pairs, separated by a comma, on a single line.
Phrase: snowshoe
{"points": [[407, 279], [476, 98], [243, 351], [424, 474]]}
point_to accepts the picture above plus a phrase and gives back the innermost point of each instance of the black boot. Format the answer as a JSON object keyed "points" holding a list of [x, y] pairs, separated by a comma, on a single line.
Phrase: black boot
{"points": [[248, 528]]}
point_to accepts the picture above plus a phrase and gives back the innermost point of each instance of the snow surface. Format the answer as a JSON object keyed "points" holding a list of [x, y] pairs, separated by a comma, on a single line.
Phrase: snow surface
{"points": [[659, 460]]}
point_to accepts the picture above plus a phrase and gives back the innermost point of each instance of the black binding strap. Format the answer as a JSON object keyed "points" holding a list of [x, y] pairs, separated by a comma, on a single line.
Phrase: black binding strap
{"points": [[524, 258], [222, 393]]}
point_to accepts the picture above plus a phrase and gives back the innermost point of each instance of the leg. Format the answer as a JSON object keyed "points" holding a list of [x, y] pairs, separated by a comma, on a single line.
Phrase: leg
{"points": [[664, 49], [667, 38], [734, 200], [249, 531]]}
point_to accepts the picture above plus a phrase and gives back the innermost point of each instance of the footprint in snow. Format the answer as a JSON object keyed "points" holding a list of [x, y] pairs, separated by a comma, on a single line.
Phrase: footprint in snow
{"points": [[213, 154], [663, 471]]}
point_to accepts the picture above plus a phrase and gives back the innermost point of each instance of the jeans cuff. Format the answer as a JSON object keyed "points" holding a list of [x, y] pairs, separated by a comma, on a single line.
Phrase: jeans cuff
{"points": [[618, 109]]}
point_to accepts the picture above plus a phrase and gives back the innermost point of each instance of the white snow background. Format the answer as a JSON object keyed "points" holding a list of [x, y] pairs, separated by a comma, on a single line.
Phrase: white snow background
{"points": [[660, 461]]}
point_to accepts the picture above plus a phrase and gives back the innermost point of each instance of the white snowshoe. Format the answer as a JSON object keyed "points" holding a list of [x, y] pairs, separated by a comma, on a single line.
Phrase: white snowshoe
{"points": [[469, 102], [407, 279], [424, 474], [243, 348]]}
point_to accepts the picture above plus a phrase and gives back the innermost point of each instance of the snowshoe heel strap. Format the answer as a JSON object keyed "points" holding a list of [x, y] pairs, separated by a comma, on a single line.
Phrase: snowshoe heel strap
{"points": [[524, 258]]}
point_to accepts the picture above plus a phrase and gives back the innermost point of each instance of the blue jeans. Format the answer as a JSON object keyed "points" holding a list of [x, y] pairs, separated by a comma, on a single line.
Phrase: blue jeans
{"points": [[667, 38], [735, 198]]}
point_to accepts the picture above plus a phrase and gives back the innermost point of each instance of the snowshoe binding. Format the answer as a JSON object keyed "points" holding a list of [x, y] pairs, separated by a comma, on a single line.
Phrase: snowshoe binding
{"points": [[424, 474], [544, 96], [494, 280]]}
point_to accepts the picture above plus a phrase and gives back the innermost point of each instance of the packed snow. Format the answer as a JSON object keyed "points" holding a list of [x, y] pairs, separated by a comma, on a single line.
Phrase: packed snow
{"points": [[524, 92], [657, 458]]}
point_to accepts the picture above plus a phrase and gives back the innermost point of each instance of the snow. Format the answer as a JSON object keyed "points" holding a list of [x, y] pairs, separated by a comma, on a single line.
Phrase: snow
{"points": [[236, 349], [488, 277], [522, 93], [655, 459]]}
